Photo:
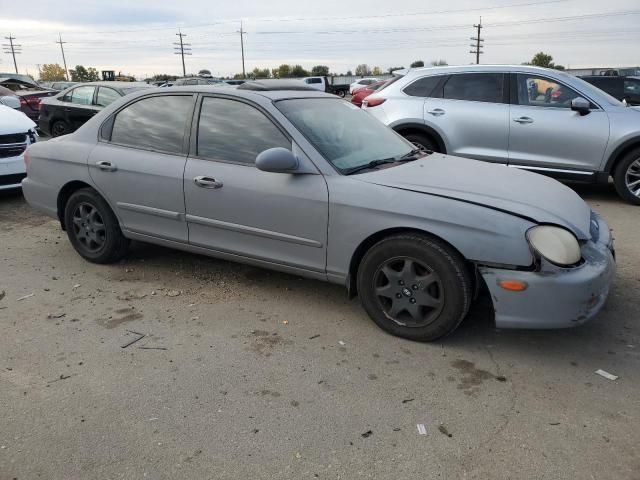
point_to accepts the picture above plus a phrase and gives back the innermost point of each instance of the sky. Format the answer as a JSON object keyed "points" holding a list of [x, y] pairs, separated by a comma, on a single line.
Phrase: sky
{"points": [[137, 38]]}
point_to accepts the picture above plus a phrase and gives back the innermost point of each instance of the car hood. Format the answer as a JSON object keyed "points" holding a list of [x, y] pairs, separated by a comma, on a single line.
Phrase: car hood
{"points": [[518, 192], [14, 121]]}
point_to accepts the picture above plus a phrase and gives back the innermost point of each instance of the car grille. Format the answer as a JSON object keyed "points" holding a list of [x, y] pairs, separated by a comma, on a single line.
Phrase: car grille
{"points": [[13, 145], [11, 179]]}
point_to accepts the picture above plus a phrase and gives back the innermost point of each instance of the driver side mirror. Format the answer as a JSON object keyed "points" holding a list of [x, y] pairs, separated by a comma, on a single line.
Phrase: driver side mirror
{"points": [[581, 105], [277, 160]]}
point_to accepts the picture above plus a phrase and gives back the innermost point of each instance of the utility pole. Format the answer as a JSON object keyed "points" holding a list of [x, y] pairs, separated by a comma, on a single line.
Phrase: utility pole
{"points": [[242, 34], [478, 42], [182, 49], [64, 60], [13, 49]]}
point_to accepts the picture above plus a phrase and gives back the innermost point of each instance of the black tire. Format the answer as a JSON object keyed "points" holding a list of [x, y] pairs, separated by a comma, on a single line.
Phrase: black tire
{"points": [[451, 284], [628, 171], [422, 141], [59, 128], [341, 93], [100, 239]]}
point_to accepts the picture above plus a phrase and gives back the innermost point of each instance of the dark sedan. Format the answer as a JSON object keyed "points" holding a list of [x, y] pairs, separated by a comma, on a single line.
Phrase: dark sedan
{"points": [[68, 110], [622, 88]]}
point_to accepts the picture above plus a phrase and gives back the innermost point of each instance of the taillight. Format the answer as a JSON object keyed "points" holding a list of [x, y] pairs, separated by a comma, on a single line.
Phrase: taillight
{"points": [[34, 102], [373, 102], [23, 102]]}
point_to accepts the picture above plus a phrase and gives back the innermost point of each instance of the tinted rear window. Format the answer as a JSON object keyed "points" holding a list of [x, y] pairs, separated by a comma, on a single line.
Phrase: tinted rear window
{"points": [[153, 123], [475, 87], [423, 87]]}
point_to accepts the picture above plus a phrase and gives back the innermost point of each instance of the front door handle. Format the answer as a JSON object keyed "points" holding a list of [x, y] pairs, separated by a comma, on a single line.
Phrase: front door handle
{"points": [[106, 166], [436, 112], [523, 120], [207, 182]]}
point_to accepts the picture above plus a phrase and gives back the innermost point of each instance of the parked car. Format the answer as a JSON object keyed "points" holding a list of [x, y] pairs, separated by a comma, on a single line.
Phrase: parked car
{"points": [[68, 110], [622, 88], [196, 81], [29, 93], [9, 98], [234, 82], [326, 84], [359, 94], [60, 86], [363, 82], [17, 132], [567, 128], [273, 175]]}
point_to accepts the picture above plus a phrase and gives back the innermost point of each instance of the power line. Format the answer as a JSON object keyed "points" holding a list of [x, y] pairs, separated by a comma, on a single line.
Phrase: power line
{"points": [[64, 60], [182, 50], [478, 45], [242, 34], [13, 49]]}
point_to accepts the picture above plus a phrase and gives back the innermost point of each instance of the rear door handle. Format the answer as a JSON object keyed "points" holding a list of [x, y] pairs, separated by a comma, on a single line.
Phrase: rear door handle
{"points": [[207, 182], [106, 166], [523, 120], [436, 112]]}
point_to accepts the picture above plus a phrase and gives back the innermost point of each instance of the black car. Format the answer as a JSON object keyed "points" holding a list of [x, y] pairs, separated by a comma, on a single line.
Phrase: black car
{"points": [[67, 111], [622, 88]]}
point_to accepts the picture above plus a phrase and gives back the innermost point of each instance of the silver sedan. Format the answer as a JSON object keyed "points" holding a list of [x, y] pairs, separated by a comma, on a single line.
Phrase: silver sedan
{"points": [[299, 181]]}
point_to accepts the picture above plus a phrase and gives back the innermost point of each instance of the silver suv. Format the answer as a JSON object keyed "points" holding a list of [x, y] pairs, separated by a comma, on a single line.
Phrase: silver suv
{"points": [[533, 118]]}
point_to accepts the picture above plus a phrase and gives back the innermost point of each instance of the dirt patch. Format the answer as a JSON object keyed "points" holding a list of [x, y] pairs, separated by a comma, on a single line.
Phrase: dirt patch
{"points": [[114, 322], [472, 377]]}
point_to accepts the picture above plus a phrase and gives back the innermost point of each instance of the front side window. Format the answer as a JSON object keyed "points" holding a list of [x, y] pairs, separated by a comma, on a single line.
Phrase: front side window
{"points": [[423, 87], [475, 87], [153, 123], [538, 91], [632, 87], [82, 95], [106, 96], [344, 134], [313, 80], [233, 131]]}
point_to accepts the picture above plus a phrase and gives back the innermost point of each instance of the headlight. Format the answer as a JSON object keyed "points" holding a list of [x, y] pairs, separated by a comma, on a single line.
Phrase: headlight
{"points": [[556, 244]]}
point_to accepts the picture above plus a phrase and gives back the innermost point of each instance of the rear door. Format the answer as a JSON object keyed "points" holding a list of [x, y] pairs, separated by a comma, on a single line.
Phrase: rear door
{"points": [[79, 105], [471, 112], [545, 133], [139, 163], [106, 96], [233, 207]]}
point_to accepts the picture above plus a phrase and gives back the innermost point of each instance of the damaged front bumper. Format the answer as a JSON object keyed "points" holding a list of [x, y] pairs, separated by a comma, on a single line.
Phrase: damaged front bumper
{"points": [[556, 297]]}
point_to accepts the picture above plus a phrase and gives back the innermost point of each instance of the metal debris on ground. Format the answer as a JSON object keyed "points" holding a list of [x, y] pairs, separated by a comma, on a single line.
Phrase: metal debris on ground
{"points": [[341, 343], [606, 375], [56, 315], [140, 337], [173, 293], [26, 296], [367, 434], [313, 336], [422, 430], [153, 348], [61, 377], [444, 430], [77, 285], [407, 400], [285, 322]]}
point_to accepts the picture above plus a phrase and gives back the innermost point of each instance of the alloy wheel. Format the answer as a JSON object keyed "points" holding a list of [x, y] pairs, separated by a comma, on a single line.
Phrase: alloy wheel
{"points": [[89, 227], [632, 178], [409, 292]]}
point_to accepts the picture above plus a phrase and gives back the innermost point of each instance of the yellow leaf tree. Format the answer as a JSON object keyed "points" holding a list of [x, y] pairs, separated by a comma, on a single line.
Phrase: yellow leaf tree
{"points": [[52, 72]]}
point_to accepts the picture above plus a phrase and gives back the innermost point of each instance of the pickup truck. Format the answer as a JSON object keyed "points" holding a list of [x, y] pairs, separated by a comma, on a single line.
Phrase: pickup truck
{"points": [[325, 84]]}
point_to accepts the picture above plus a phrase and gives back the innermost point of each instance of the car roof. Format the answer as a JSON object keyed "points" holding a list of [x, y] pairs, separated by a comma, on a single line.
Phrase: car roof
{"points": [[231, 90], [274, 85], [113, 84]]}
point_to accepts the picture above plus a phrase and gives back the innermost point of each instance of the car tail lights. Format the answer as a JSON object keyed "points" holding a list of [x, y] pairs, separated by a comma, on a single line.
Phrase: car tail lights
{"points": [[373, 102]]}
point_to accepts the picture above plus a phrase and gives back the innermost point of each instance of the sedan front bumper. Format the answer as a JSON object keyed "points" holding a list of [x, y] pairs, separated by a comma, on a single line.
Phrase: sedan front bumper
{"points": [[556, 297]]}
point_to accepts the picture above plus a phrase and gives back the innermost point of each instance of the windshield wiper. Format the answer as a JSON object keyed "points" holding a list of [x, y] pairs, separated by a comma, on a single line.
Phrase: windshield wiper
{"points": [[367, 166]]}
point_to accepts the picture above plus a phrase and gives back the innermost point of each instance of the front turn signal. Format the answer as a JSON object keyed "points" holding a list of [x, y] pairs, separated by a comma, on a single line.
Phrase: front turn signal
{"points": [[513, 285]]}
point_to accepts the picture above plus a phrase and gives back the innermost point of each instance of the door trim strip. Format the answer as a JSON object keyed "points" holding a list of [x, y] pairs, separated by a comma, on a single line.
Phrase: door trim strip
{"points": [[547, 169], [283, 237], [158, 212]]}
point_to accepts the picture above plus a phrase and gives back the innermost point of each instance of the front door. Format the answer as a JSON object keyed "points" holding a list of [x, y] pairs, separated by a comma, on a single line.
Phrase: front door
{"points": [[233, 207], [546, 133], [471, 109], [140, 162]]}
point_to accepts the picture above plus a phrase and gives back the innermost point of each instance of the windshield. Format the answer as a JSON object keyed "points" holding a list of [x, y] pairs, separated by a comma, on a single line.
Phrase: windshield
{"points": [[344, 134]]}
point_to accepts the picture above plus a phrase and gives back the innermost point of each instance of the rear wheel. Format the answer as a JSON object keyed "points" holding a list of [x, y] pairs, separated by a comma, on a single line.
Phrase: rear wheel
{"points": [[414, 286], [60, 127], [626, 177], [93, 229], [341, 93], [422, 141]]}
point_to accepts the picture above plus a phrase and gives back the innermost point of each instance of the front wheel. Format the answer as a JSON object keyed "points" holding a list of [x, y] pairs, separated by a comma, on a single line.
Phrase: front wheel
{"points": [[421, 141], [626, 177], [93, 229], [414, 286], [341, 93]]}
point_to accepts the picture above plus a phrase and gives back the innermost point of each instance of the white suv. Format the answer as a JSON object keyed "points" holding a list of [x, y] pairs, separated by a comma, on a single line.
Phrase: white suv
{"points": [[533, 118]]}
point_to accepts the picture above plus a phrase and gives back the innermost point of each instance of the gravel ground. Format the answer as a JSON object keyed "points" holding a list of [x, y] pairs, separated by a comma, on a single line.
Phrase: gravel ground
{"points": [[249, 374]]}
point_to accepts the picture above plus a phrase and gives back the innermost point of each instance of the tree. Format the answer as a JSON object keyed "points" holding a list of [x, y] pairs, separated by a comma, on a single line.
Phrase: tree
{"points": [[545, 60], [52, 72], [363, 69], [376, 71], [439, 63], [261, 73], [320, 71], [283, 71], [349, 73], [417, 63], [92, 75], [298, 71]]}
